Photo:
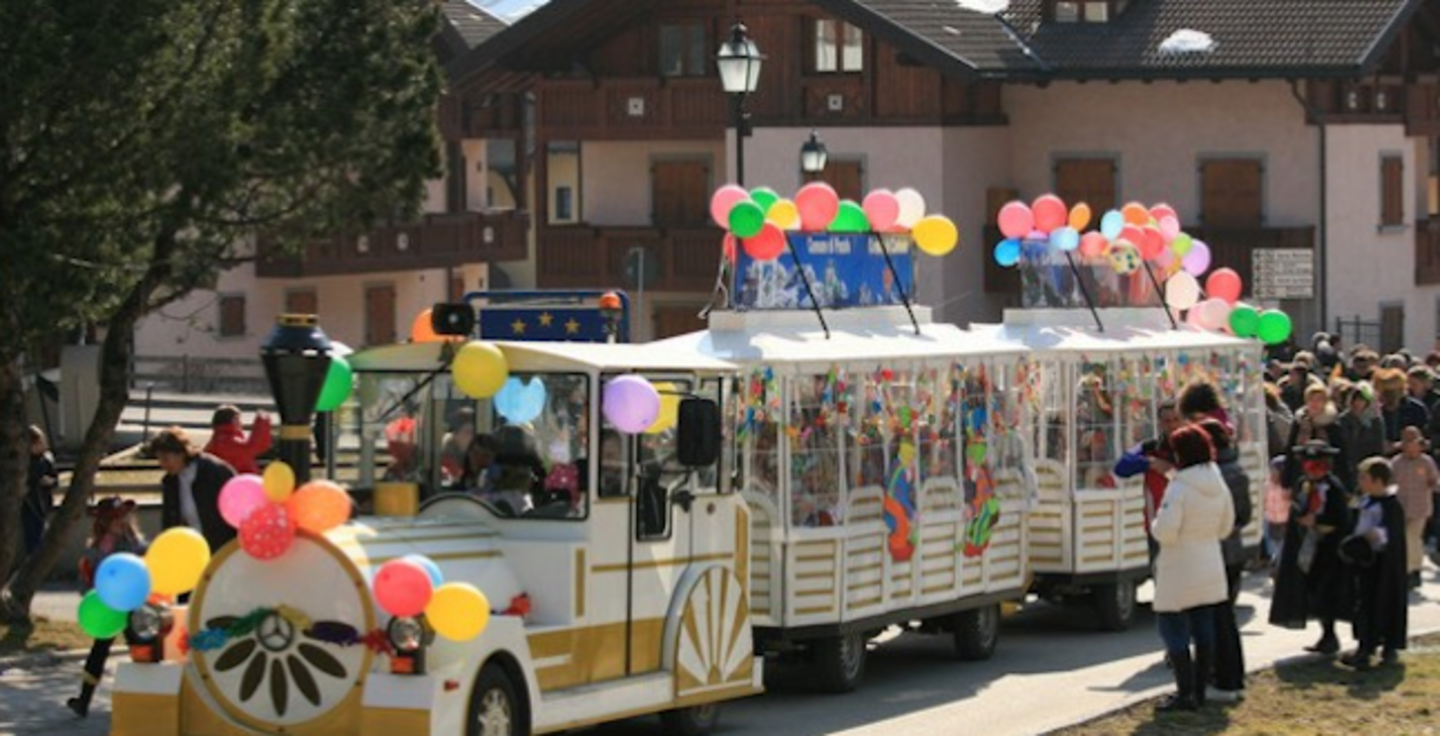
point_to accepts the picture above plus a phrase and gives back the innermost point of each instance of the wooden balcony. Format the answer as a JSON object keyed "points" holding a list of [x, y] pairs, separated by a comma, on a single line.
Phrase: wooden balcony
{"points": [[437, 241], [1427, 252], [587, 257], [673, 107]]}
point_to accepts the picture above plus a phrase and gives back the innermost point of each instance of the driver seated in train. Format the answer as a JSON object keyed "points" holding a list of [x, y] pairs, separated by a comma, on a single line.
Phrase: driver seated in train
{"points": [[518, 472]]}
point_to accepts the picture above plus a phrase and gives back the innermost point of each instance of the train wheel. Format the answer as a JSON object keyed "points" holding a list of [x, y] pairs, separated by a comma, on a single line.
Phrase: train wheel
{"points": [[1115, 605], [840, 662], [977, 631], [696, 720], [494, 708]]}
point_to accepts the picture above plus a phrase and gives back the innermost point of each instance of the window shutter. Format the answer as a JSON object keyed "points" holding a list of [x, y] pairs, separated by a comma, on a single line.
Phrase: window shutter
{"points": [[1392, 191]]}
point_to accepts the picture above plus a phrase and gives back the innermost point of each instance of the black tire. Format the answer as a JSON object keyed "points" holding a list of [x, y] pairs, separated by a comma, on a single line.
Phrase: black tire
{"points": [[977, 631], [495, 710], [696, 720], [839, 662], [1115, 605]]}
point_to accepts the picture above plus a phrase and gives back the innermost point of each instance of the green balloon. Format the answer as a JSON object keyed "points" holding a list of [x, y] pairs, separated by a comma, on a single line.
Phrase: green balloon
{"points": [[339, 379], [99, 620], [764, 196], [1274, 327], [850, 219], [1244, 320], [746, 219], [1182, 244]]}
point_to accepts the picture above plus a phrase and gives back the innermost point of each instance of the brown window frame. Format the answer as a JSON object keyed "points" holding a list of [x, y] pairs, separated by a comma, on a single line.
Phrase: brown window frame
{"points": [[695, 215], [692, 49], [1392, 190], [230, 316]]}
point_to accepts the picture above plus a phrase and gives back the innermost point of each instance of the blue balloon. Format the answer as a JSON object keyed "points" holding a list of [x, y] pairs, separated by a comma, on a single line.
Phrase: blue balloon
{"points": [[436, 577], [1065, 238], [1007, 252], [520, 402], [123, 581], [1112, 224]]}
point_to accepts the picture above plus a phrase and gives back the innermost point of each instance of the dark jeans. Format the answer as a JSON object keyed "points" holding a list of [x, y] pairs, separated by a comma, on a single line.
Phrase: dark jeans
{"points": [[1179, 628], [1229, 673], [34, 525]]}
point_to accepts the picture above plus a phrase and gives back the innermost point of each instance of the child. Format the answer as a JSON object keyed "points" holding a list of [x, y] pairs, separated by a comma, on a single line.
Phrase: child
{"points": [[40, 481], [229, 442], [1310, 581], [1416, 480], [1378, 545], [114, 530]]}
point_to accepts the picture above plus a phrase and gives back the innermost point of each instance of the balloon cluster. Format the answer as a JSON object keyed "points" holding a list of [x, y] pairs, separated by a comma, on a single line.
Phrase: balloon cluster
{"points": [[171, 566], [758, 219], [1128, 239], [267, 510], [413, 585]]}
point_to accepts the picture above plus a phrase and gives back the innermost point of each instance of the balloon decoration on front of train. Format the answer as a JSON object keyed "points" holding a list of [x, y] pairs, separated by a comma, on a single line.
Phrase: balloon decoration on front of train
{"points": [[1133, 238]]}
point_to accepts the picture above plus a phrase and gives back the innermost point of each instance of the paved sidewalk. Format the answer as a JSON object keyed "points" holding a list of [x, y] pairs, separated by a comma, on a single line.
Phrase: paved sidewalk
{"points": [[33, 693]]}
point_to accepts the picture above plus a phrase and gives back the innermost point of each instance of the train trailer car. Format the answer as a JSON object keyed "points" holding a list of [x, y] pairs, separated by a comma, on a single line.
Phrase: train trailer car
{"points": [[887, 475], [1094, 394], [614, 571]]}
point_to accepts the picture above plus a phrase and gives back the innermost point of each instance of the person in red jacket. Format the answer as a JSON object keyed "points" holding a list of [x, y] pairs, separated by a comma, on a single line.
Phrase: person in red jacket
{"points": [[229, 442]]}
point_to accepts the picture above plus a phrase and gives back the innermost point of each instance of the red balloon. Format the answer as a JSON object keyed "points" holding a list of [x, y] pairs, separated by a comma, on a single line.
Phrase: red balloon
{"points": [[1092, 244], [1050, 213], [1223, 283], [1162, 210], [1132, 233], [267, 532], [727, 244], [403, 588], [768, 245], [818, 204], [1151, 243], [1015, 220]]}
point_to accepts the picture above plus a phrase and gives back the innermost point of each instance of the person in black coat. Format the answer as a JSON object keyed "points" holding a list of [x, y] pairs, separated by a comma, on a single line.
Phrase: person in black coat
{"points": [[40, 481], [190, 491], [1376, 549], [1228, 676], [1311, 581]]}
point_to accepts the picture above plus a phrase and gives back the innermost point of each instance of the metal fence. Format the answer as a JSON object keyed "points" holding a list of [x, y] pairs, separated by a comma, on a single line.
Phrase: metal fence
{"points": [[1355, 331], [186, 374]]}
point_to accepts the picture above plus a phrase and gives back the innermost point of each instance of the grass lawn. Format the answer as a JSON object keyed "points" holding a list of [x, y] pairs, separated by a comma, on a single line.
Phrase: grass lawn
{"points": [[41, 635], [1312, 698]]}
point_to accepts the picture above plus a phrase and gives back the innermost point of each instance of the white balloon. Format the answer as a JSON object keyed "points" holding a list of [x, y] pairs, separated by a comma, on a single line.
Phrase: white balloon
{"points": [[912, 207], [1182, 291]]}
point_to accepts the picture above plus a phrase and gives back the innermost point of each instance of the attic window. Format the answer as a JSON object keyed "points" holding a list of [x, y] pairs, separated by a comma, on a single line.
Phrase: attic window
{"points": [[1097, 12], [1067, 12], [1076, 11]]}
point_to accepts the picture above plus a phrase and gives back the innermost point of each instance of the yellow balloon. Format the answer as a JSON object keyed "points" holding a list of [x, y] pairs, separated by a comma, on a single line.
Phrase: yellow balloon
{"points": [[176, 559], [669, 408], [479, 369], [784, 214], [458, 611], [279, 480], [935, 234]]}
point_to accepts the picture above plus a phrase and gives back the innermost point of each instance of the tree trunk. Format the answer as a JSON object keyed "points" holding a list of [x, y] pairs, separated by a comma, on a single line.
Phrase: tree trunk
{"points": [[14, 459]]}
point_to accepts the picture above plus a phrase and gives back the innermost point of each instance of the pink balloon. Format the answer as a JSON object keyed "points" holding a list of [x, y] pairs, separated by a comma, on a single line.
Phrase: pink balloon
{"points": [[1224, 284], [1162, 211], [1214, 313], [1050, 213], [882, 209], [723, 199], [1016, 220], [767, 245], [240, 496], [1092, 244], [267, 532], [1151, 243], [403, 588], [1169, 227], [727, 245], [818, 204]]}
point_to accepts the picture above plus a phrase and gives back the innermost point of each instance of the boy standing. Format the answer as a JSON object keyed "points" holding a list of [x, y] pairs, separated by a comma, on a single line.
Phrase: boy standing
{"points": [[1377, 550], [1416, 480]]}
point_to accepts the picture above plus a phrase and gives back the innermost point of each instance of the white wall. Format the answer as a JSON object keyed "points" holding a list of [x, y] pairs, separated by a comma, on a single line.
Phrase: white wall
{"points": [[975, 159], [616, 176]]}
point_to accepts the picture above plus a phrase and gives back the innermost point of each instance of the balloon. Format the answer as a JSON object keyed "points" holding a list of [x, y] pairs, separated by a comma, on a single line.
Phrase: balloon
{"points": [[765, 197], [1182, 291], [403, 588], [1049, 212], [479, 369], [1274, 327], [1007, 252], [723, 199], [818, 204], [1016, 220], [1224, 283], [1124, 257], [520, 402], [1079, 216], [936, 235], [1152, 242], [768, 245], [669, 408], [421, 330], [1135, 214], [241, 495], [850, 218], [746, 219], [912, 207], [1169, 227], [99, 620], [1111, 224], [269, 532], [882, 209], [123, 581], [437, 578], [339, 381], [458, 611], [1214, 314], [1181, 244], [177, 558], [1132, 234], [1197, 261], [319, 506], [1244, 320], [727, 246], [630, 403], [1065, 238], [784, 214], [1092, 244], [1161, 211], [278, 481]]}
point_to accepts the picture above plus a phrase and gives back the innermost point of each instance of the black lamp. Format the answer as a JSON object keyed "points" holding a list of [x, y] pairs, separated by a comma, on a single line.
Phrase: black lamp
{"points": [[813, 154], [296, 356], [738, 62]]}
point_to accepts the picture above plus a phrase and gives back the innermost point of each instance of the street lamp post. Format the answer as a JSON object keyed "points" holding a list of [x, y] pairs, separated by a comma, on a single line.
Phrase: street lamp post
{"points": [[296, 356], [739, 65], [813, 154]]}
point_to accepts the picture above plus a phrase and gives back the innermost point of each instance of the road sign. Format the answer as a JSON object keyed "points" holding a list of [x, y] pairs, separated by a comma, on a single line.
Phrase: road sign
{"points": [[1283, 273]]}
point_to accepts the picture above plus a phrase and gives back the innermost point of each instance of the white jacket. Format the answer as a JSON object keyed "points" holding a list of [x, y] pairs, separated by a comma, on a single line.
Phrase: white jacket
{"points": [[1197, 513]]}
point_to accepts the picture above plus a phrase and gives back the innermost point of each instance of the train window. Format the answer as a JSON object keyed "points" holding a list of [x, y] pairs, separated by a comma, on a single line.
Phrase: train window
{"points": [[1137, 401], [946, 427], [1094, 427], [1054, 425], [937, 422], [866, 458], [528, 458], [814, 455], [976, 418], [759, 428]]}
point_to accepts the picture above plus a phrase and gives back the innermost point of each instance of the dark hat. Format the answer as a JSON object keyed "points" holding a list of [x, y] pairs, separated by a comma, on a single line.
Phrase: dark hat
{"points": [[1355, 550], [1315, 450], [112, 507]]}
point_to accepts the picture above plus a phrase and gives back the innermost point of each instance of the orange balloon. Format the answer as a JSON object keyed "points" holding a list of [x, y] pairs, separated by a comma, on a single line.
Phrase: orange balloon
{"points": [[319, 506], [1136, 214], [421, 330], [1080, 216]]}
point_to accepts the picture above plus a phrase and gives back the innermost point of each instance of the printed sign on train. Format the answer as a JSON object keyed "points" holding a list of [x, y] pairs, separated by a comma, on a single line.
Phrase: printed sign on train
{"points": [[845, 270]]}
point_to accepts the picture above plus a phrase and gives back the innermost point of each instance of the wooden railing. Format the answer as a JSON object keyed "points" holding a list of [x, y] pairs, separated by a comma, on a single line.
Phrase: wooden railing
{"points": [[437, 241], [586, 257], [610, 108], [1427, 252]]}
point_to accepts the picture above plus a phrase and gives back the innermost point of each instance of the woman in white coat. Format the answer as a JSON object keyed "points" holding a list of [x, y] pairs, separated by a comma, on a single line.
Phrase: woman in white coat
{"points": [[1190, 572]]}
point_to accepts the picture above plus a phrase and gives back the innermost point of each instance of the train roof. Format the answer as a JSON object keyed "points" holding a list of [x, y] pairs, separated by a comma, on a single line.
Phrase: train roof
{"points": [[1075, 331], [545, 356]]}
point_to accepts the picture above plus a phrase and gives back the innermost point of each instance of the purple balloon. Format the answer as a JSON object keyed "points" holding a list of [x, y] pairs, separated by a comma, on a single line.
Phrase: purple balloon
{"points": [[630, 403], [1197, 261]]}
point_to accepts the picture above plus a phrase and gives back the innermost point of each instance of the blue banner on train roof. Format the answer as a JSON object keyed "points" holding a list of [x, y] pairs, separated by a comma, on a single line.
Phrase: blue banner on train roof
{"points": [[543, 324], [845, 270]]}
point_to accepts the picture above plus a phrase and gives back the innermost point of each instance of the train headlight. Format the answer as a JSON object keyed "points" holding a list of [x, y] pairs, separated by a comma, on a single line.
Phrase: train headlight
{"points": [[149, 624], [406, 634]]}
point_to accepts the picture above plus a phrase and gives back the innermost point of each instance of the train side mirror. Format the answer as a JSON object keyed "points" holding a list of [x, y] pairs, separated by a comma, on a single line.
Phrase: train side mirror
{"points": [[697, 436], [452, 319]]}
